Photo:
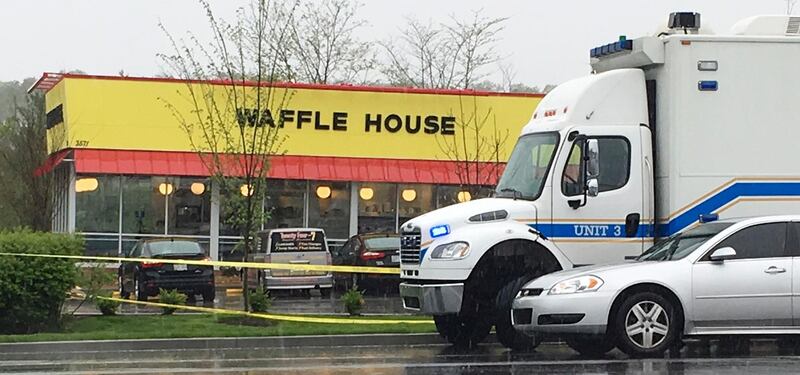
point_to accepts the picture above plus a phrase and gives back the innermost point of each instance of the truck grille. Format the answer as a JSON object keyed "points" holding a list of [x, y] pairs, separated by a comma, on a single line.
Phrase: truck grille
{"points": [[409, 246]]}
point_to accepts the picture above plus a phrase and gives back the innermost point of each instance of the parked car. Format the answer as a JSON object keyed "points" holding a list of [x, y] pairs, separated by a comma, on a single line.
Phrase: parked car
{"points": [[732, 277], [294, 246], [143, 279], [371, 250]]}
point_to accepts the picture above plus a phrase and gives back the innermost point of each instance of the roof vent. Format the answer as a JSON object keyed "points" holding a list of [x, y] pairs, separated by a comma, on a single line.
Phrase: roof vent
{"points": [[768, 26], [686, 22]]}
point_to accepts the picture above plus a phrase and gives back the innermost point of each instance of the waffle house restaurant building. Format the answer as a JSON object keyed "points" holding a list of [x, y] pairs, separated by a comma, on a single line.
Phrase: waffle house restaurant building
{"points": [[125, 168]]}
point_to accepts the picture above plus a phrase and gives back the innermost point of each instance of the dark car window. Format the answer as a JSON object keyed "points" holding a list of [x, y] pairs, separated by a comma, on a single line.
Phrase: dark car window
{"points": [[382, 243], [757, 241], [793, 239], [136, 251], [173, 247]]}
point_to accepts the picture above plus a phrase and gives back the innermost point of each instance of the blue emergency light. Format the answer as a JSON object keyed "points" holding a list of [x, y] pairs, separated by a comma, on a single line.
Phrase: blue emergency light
{"points": [[707, 85], [622, 45], [707, 218], [440, 230]]}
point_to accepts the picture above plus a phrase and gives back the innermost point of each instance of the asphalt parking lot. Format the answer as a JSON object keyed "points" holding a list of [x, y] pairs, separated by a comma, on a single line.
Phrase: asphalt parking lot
{"points": [[375, 354]]}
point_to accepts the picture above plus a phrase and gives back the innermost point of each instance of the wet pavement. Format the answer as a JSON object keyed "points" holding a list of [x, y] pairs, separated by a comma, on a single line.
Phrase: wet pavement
{"points": [[762, 357], [284, 302]]}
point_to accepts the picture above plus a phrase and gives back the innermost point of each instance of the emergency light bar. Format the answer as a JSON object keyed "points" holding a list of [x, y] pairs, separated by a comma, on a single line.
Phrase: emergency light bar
{"points": [[622, 45]]}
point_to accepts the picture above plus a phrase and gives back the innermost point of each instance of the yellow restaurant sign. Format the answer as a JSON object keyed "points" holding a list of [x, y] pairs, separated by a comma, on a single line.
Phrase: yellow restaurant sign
{"points": [[139, 114]]}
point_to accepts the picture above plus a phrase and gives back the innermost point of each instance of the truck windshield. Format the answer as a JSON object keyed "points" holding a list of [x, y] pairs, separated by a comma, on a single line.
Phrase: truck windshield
{"points": [[682, 244], [527, 168]]}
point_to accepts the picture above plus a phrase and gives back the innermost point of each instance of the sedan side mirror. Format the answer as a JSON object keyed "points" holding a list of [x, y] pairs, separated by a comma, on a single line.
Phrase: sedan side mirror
{"points": [[723, 253]]}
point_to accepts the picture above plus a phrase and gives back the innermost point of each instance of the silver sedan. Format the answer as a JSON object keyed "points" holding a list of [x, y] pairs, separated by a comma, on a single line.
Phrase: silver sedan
{"points": [[732, 277]]}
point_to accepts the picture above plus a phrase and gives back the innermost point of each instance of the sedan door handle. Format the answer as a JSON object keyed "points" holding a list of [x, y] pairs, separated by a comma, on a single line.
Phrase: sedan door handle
{"points": [[773, 270]]}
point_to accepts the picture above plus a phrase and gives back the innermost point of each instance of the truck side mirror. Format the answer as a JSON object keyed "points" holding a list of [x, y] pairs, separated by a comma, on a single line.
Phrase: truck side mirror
{"points": [[592, 187], [592, 157]]}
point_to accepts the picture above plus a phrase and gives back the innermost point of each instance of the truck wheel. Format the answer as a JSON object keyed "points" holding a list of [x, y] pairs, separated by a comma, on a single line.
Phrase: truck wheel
{"points": [[462, 331], [645, 325], [591, 347], [506, 333]]}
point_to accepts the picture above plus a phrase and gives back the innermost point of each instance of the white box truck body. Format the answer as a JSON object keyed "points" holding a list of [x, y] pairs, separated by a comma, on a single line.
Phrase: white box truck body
{"points": [[667, 131]]}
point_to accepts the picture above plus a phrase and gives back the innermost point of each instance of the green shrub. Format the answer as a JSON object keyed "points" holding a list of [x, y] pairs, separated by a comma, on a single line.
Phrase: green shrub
{"points": [[170, 297], [32, 289], [353, 301], [106, 306], [259, 300]]}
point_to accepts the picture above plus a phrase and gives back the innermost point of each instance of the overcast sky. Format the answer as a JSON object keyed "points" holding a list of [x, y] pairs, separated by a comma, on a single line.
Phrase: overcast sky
{"points": [[545, 41]]}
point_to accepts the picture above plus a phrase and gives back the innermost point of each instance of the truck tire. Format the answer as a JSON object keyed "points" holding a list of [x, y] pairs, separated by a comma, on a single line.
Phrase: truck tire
{"points": [[506, 333], [591, 347], [465, 332]]}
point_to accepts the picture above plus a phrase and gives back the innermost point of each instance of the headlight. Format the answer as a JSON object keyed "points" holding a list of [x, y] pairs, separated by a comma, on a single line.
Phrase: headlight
{"points": [[454, 250], [577, 285]]}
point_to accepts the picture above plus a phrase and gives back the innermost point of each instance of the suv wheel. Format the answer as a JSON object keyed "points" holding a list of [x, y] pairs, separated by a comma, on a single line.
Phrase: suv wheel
{"points": [[138, 290], [645, 325], [124, 294]]}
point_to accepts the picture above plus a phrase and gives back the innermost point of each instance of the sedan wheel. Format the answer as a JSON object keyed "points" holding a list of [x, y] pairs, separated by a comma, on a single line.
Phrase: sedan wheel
{"points": [[645, 324]]}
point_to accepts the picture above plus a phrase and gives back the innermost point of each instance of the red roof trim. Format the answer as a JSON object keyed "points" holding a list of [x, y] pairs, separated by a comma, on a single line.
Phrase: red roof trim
{"points": [[51, 163], [340, 87], [168, 163]]}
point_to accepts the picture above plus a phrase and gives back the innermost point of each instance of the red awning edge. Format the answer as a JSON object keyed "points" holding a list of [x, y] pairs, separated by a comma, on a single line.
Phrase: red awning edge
{"points": [[51, 163], [293, 167]]}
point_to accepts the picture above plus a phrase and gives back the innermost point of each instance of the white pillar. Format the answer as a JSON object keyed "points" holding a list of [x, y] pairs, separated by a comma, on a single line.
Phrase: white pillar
{"points": [[354, 208], [71, 199]]}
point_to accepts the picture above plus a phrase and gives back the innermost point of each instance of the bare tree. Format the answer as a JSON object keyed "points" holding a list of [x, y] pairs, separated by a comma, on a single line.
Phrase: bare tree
{"points": [[321, 45], [477, 147], [790, 6], [449, 55], [234, 125]]}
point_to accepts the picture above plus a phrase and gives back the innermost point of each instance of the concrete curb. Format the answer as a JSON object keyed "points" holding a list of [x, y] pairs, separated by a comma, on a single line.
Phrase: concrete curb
{"points": [[225, 343]]}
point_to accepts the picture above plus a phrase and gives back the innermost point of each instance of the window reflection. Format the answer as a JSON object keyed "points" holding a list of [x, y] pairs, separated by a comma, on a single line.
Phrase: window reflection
{"points": [[143, 201], [285, 201], [377, 208], [97, 204], [189, 206], [329, 208], [415, 200]]}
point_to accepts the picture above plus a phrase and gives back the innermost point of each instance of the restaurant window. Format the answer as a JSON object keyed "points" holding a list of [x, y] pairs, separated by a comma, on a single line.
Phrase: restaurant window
{"points": [[415, 200], [189, 206], [97, 204], [284, 204], [377, 208], [329, 208], [447, 195], [143, 200]]}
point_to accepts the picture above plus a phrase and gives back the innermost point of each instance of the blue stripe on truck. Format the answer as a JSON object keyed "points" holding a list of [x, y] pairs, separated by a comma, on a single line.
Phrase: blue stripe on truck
{"points": [[680, 222]]}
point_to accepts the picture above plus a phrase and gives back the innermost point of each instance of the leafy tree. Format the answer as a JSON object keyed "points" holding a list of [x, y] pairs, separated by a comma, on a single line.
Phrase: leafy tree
{"points": [[232, 126], [23, 148]]}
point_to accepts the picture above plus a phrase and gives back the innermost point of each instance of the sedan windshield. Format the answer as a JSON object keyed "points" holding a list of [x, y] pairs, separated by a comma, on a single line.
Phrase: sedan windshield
{"points": [[382, 242], [527, 168], [174, 247], [682, 244]]}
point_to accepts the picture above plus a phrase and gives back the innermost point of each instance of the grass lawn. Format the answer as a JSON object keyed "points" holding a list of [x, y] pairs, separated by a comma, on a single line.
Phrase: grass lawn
{"points": [[207, 325]]}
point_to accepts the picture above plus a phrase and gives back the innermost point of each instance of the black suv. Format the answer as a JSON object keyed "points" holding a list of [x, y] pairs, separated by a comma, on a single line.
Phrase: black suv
{"points": [[143, 279]]}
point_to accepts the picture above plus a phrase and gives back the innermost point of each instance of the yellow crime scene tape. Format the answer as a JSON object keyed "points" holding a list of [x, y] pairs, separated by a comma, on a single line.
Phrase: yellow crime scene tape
{"points": [[258, 265], [288, 318]]}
